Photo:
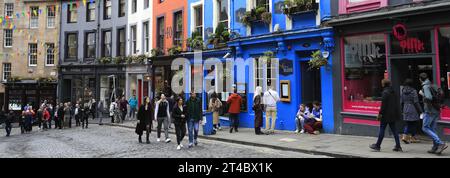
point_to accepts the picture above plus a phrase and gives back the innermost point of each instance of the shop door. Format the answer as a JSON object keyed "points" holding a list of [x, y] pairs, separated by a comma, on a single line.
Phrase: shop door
{"points": [[310, 84], [403, 69]]}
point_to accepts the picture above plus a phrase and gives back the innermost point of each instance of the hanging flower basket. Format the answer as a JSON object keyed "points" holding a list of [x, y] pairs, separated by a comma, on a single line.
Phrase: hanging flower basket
{"points": [[317, 60]]}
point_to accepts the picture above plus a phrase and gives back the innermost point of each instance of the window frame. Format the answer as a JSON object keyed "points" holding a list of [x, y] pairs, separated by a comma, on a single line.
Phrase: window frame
{"points": [[160, 38], [119, 44], [107, 9], [31, 54], [51, 19], [47, 54], [342, 50], [86, 44], [178, 41], [122, 8], [7, 10], [5, 38], [34, 18], [67, 46], [346, 7], [146, 36], [4, 71], [70, 13], [103, 43], [89, 10], [133, 39]]}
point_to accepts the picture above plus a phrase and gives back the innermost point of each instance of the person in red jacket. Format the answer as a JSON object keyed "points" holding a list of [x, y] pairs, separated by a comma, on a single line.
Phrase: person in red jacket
{"points": [[46, 117], [235, 101]]}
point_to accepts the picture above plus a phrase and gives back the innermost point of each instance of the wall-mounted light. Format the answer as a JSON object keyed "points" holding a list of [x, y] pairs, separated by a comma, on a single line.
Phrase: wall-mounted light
{"points": [[325, 54]]}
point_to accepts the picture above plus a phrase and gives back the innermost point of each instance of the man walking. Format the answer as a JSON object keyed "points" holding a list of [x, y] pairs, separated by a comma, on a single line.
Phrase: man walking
{"points": [[271, 98], [431, 113], [123, 106], [194, 116], [162, 115]]}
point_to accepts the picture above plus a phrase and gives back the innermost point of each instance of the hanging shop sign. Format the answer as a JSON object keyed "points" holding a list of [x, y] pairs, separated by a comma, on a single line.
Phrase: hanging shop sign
{"points": [[286, 67], [405, 42]]}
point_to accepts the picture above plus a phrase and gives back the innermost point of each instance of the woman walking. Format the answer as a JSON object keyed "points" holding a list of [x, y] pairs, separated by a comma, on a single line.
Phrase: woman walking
{"points": [[145, 118], [214, 107], [258, 108], [411, 110], [179, 118]]}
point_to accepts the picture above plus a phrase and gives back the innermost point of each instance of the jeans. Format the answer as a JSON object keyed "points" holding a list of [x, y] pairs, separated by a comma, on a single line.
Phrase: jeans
{"points": [[234, 118], [300, 123], [410, 128], [85, 122], [8, 129], [429, 127], [271, 112], [383, 126], [180, 130], [132, 114], [161, 121], [193, 130]]}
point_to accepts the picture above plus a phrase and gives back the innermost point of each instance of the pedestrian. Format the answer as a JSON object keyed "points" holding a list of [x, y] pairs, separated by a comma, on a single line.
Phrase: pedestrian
{"points": [[194, 116], [92, 108], [179, 119], [52, 115], [300, 117], [85, 116], [313, 123], [133, 106], [46, 117], [271, 98], [432, 112], [214, 106], [100, 109], [77, 114], [9, 119], [60, 113], [235, 101], [67, 112], [72, 113], [388, 115], [22, 122], [258, 108], [409, 101], [145, 117], [162, 115], [123, 106], [171, 101], [112, 110], [29, 114], [39, 118]]}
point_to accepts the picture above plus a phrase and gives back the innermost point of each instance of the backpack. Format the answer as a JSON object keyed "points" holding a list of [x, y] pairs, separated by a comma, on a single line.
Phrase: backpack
{"points": [[437, 97]]}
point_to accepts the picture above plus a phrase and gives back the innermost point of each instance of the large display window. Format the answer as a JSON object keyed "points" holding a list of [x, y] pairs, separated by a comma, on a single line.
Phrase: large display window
{"points": [[364, 67], [444, 68]]}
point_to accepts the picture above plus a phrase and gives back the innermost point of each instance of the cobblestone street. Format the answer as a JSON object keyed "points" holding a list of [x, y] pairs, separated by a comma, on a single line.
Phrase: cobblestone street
{"points": [[116, 142]]}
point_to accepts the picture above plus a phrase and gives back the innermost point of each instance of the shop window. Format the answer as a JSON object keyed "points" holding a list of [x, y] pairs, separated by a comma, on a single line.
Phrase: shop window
{"points": [[351, 6], [364, 67], [444, 62]]}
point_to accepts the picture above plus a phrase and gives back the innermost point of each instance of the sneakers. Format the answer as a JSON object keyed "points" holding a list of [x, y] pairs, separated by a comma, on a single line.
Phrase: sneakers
{"points": [[195, 142], [148, 142], [302, 131], [441, 148], [158, 140], [168, 140], [316, 132], [297, 131], [190, 145], [179, 147], [231, 130], [374, 147], [433, 150], [220, 128], [397, 149]]}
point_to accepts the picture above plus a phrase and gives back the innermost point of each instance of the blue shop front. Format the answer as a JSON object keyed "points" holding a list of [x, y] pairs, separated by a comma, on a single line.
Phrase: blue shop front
{"points": [[290, 37]]}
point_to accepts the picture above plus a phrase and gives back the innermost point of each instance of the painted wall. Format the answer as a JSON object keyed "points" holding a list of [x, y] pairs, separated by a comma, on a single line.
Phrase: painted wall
{"points": [[167, 9], [137, 19]]}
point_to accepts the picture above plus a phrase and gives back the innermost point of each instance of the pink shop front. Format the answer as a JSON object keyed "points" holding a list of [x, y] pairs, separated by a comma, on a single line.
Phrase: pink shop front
{"points": [[394, 48]]}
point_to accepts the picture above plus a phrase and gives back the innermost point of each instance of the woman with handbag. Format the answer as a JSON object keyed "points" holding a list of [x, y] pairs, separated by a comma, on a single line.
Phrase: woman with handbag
{"points": [[258, 107], [145, 117], [179, 117], [411, 110], [214, 107]]}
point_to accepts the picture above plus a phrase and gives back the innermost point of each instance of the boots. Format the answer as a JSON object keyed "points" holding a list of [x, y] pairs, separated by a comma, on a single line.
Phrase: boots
{"points": [[406, 138], [140, 139]]}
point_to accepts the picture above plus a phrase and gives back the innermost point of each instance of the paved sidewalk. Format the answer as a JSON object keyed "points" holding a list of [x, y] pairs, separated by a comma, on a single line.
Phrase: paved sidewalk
{"points": [[323, 144]]}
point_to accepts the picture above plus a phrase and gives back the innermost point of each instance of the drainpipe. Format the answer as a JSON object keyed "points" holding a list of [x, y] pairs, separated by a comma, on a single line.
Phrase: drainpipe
{"points": [[59, 85], [97, 44]]}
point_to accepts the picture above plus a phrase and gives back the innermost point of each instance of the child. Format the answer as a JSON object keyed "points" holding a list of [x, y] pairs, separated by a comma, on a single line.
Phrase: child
{"points": [[302, 113]]}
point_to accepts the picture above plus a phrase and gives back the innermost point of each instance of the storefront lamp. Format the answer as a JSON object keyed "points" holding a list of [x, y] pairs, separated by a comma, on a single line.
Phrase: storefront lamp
{"points": [[325, 54]]}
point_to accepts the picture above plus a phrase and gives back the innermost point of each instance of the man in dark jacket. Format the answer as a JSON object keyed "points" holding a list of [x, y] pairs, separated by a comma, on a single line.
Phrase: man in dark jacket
{"points": [[9, 119], [194, 116], [389, 114], [60, 113]]}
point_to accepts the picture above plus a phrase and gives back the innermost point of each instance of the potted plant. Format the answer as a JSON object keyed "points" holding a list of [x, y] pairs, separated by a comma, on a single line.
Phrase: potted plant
{"points": [[195, 42], [220, 37], [175, 50], [156, 52], [105, 60], [119, 60], [140, 59], [292, 7], [317, 60], [257, 14]]}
